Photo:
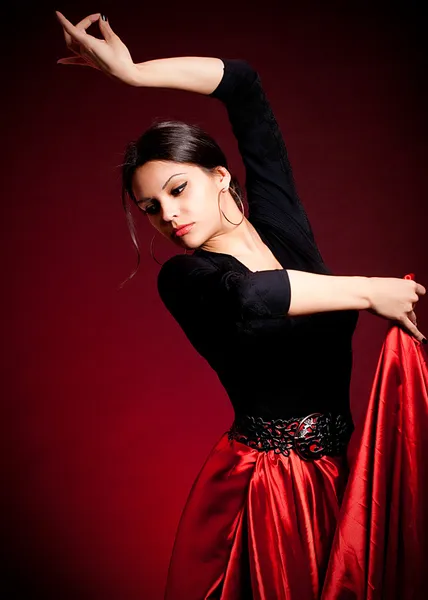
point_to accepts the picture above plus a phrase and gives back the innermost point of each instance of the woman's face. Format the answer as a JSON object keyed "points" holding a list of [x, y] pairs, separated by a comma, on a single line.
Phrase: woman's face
{"points": [[176, 194]]}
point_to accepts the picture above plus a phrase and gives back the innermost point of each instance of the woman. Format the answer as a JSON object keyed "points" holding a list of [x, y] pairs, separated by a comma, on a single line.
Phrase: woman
{"points": [[257, 301]]}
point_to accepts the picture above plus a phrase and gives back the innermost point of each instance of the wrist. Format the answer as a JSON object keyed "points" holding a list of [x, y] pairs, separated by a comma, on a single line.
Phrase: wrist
{"points": [[135, 76], [366, 292]]}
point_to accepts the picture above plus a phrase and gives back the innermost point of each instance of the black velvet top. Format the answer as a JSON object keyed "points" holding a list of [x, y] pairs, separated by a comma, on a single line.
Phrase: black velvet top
{"points": [[271, 364]]}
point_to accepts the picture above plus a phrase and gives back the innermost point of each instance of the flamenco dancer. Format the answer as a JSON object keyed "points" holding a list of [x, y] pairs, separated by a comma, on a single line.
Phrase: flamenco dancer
{"points": [[255, 298]]}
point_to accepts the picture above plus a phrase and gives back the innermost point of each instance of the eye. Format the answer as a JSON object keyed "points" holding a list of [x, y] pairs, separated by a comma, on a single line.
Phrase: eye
{"points": [[151, 209], [178, 190]]}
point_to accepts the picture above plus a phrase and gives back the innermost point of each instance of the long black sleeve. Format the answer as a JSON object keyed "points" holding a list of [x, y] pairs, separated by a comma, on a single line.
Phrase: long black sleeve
{"points": [[271, 192]]}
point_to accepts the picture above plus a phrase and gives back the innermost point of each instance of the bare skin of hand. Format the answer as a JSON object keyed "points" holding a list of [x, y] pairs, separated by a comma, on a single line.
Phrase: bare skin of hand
{"points": [[395, 299], [109, 54]]}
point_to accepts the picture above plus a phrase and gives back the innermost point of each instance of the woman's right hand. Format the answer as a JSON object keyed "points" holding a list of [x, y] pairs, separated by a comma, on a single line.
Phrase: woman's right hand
{"points": [[394, 298], [109, 54]]}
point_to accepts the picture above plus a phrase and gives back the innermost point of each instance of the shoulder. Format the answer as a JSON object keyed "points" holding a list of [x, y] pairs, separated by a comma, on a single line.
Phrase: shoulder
{"points": [[185, 264], [184, 270]]}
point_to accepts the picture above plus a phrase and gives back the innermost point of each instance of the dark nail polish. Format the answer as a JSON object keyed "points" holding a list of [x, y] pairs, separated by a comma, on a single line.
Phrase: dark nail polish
{"points": [[104, 18], [424, 340]]}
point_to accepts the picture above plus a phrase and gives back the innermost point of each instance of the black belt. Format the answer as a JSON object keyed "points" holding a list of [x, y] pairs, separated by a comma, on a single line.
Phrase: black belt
{"points": [[313, 436]]}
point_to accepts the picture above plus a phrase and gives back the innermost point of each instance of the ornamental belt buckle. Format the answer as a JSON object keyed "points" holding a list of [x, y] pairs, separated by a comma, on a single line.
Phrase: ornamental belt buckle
{"points": [[307, 444]]}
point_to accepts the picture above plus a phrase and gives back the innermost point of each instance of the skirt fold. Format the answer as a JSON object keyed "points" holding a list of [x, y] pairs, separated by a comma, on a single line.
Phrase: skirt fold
{"points": [[256, 525]]}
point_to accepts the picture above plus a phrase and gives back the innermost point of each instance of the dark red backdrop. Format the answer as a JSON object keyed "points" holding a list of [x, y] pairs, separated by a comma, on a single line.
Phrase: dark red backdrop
{"points": [[108, 411]]}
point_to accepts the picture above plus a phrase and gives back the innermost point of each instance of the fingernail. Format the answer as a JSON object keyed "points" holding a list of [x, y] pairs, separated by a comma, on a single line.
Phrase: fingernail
{"points": [[424, 340], [104, 18]]}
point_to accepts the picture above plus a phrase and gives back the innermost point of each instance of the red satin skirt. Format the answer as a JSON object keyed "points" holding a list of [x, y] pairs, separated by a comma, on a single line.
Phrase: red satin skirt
{"points": [[257, 526], [264, 526]]}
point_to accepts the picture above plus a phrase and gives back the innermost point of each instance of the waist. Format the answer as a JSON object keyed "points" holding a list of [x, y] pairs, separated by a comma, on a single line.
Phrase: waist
{"points": [[311, 437]]}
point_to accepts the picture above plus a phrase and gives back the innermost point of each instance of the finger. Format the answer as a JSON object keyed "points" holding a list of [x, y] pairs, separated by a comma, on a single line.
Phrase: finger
{"points": [[67, 36], [70, 31], [420, 290], [412, 329], [73, 60], [412, 317], [87, 21], [106, 30]]}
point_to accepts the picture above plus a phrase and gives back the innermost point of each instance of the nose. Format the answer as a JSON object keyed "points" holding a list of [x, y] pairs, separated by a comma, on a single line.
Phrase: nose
{"points": [[169, 211]]}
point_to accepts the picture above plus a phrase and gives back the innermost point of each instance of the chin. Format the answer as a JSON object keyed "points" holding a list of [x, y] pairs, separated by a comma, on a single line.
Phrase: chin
{"points": [[189, 241], [182, 242], [189, 245]]}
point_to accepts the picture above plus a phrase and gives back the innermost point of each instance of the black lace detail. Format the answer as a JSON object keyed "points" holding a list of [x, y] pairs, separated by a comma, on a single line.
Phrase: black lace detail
{"points": [[311, 437]]}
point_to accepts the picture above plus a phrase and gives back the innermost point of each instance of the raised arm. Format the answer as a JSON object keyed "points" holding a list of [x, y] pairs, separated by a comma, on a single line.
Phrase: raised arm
{"points": [[191, 73], [271, 192]]}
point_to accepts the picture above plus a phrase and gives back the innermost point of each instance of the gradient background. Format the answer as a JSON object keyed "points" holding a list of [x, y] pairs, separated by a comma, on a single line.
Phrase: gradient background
{"points": [[108, 412]]}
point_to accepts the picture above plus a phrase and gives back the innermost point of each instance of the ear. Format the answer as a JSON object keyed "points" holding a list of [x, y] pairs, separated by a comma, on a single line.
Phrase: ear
{"points": [[223, 177]]}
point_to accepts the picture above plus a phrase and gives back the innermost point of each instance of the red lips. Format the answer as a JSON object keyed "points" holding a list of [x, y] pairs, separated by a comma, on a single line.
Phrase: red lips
{"points": [[183, 229]]}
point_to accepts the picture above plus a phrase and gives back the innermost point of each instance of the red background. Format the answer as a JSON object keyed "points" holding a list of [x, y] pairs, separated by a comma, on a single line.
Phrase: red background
{"points": [[108, 411]]}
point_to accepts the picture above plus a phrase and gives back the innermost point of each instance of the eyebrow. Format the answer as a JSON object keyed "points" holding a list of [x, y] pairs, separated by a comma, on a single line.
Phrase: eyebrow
{"points": [[163, 187]]}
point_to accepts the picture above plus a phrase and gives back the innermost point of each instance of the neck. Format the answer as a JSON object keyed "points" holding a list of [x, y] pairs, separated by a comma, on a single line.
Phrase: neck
{"points": [[239, 240]]}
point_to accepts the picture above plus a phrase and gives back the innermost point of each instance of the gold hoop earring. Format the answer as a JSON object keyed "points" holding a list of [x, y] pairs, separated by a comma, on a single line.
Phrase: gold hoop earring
{"points": [[152, 253], [240, 201]]}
